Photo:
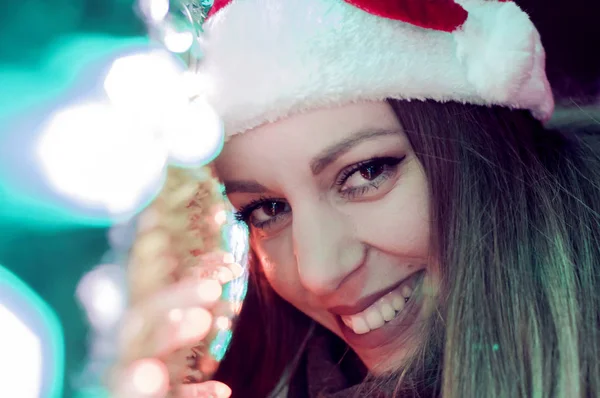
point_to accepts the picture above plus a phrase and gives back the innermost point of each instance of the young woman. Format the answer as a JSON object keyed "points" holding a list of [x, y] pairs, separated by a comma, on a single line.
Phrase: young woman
{"points": [[415, 229]]}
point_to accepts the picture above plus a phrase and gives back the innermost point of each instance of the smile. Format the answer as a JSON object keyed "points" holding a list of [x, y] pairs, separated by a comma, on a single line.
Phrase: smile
{"points": [[386, 317], [382, 311]]}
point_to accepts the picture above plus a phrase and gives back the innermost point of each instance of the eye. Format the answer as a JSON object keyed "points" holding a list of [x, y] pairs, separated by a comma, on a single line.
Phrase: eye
{"points": [[365, 173], [263, 212], [364, 177], [268, 210]]}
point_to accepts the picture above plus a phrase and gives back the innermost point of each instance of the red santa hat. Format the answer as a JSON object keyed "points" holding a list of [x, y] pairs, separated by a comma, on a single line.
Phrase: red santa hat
{"points": [[268, 59]]}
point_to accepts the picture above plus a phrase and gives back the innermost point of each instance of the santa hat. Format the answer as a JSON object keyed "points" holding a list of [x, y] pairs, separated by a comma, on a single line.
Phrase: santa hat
{"points": [[268, 59]]}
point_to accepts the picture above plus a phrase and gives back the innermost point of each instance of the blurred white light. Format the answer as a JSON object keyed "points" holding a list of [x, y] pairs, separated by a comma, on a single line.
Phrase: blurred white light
{"points": [[223, 323], [20, 359], [102, 158], [176, 315], [193, 134], [102, 294], [155, 10], [148, 85], [178, 42], [220, 217]]}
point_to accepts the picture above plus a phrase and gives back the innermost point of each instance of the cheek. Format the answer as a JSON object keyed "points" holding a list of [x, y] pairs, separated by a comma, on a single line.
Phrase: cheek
{"points": [[278, 262], [399, 223]]}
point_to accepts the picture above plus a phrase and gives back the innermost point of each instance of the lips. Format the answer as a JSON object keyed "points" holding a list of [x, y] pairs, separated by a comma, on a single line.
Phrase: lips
{"points": [[390, 331], [367, 301]]}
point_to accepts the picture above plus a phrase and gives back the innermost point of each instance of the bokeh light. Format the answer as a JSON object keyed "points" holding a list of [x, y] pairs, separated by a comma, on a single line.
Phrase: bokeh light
{"points": [[101, 158], [209, 290], [154, 10], [195, 324], [178, 42], [176, 315], [221, 217], [102, 293], [193, 134], [21, 359], [32, 344], [110, 152], [146, 84], [150, 377], [223, 323]]}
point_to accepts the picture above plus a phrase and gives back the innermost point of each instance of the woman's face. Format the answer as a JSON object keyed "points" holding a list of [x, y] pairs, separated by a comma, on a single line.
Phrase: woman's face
{"points": [[338, 208]]}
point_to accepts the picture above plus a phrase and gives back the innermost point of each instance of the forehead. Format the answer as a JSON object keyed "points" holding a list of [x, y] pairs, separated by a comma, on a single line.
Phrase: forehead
{"points": [[304, 135]]}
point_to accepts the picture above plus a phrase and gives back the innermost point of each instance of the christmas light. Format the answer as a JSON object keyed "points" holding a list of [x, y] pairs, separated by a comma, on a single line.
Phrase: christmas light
{"points": [[32, 344], [178, 42], [21, 360], [193, 134], [102, 294], [144, 83], [154, 10], [150, 377], [101, 158]]}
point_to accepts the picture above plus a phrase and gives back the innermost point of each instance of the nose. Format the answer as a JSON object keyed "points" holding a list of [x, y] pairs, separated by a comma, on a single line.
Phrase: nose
{"points": [[326, 247]]}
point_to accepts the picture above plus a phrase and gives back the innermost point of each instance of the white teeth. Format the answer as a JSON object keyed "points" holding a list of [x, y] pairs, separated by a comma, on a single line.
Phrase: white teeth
{"points": [[347, 321], [374, 318], [398, 302], [384, 310], [406, 291], [387, 311], [359, 325]]}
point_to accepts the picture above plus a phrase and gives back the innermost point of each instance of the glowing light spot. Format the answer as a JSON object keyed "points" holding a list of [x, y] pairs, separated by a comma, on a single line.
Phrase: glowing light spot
{"points": [[31, 344], [145, 83], [209, 290], [223, 323], [108, 301], [101, 158], [221, 217], [155, 10], [101, 293], [150, 377], [178, 42], [176, 315], [195, 324], [21, 359], [193, 134]]}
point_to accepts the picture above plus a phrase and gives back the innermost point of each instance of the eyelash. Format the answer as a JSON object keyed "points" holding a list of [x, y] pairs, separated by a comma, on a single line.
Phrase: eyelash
{"points": [[352, 193], [245, 212]]}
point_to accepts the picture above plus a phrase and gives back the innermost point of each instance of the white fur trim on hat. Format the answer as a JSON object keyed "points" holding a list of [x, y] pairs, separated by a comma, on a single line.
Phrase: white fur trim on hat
{"points": [[268, 59]]}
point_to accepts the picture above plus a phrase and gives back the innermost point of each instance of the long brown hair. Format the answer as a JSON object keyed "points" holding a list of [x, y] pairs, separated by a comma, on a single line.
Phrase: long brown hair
{"points": [[516, 231]]}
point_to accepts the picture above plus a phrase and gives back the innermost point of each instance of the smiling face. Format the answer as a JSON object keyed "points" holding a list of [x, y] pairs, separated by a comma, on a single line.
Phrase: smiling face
{"points": [[338, 209]]}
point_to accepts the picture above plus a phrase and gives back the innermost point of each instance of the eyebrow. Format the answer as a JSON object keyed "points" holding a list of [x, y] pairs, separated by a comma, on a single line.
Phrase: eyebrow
{"points": [[332, 153], [239, 186], [319, 163]]}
